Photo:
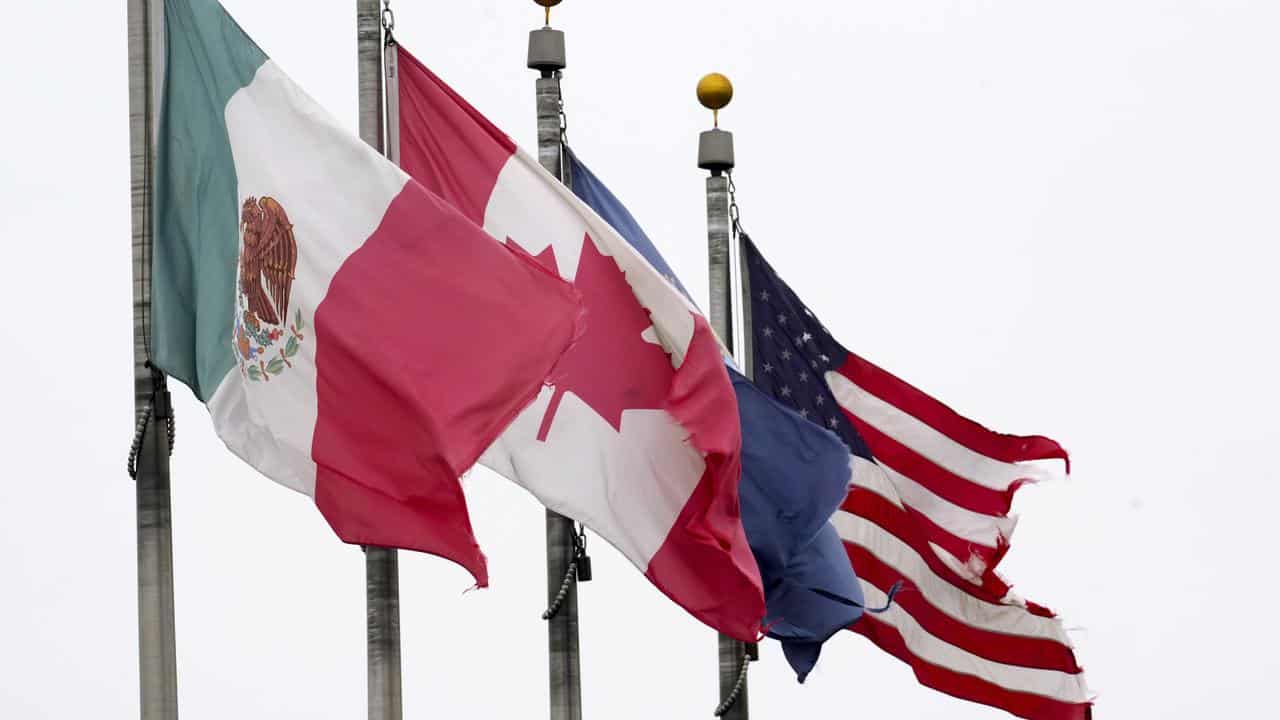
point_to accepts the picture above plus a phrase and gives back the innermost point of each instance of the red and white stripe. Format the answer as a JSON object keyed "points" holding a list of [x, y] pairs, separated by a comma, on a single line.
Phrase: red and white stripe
{"points": [[934, 512]]}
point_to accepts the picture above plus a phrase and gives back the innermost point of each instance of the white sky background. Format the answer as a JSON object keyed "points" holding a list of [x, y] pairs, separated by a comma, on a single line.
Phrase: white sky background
{"points": [[1060, 218]]}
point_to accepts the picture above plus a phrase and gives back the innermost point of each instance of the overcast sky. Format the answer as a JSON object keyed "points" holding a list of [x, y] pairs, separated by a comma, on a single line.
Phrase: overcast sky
{"points": [[1060, 218]]}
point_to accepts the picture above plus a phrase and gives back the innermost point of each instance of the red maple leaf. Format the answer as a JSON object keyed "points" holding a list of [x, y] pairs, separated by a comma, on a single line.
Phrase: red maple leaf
{"points": [[611, 367]]}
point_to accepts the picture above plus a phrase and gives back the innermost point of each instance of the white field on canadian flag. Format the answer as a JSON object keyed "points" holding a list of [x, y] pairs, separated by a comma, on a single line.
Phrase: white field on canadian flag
{"points": [[289, 148], [628, 494]]}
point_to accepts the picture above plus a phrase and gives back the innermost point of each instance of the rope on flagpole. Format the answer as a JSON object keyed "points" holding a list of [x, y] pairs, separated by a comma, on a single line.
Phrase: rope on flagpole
{"points": [[159, 388], [160, 407], [142, 319], [566, 168], [735, 215], [737, 687], [551, 611]]}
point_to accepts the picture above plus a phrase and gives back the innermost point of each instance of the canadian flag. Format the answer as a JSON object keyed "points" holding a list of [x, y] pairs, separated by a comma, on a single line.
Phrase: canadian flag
{"points": [[636, 435]]}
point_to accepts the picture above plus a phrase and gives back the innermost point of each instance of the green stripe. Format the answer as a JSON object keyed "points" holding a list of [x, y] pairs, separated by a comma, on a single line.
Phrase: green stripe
{"points": [[209, 59]]}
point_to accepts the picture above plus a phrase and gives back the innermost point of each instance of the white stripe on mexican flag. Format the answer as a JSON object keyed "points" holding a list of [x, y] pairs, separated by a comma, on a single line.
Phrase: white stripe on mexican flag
{"points": [[284, 147], [338, 319]]}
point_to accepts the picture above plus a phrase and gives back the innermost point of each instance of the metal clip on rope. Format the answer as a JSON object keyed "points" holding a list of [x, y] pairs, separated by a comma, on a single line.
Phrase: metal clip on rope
{"points": [[581, 560], [579, 568], [735, 215], [388, 22]]}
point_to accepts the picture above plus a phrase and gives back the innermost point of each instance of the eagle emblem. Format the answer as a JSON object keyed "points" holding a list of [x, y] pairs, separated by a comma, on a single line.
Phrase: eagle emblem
{"points": [[268, 261]]}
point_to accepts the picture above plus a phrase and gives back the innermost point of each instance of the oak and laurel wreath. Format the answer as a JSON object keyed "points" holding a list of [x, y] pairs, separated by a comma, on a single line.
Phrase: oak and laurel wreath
{"points": [[277, 364]]}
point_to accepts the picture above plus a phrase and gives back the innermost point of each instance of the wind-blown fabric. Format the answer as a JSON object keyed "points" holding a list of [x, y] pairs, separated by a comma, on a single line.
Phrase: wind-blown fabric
{"points": [[333, 314], [794, 477], [934, 511], [636, 434]]}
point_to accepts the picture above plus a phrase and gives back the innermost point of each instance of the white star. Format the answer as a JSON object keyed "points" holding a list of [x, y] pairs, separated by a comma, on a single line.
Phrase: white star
{"points": [[786, 354], [767, 332], [813, 364], [782, 319], [804, 414], [768, 368], [833, 422], [785, 392], [819, 401], [826, 360], [764, 295], [806, 337], [799, 342], [804, 377]]}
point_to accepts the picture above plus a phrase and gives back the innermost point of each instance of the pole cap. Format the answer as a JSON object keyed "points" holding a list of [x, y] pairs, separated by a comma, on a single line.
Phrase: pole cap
{"points": [[546, 51], [715, 151]]}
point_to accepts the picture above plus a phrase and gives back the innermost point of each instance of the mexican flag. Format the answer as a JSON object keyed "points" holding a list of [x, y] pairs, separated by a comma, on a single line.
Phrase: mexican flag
{"points": [[354, 337]]}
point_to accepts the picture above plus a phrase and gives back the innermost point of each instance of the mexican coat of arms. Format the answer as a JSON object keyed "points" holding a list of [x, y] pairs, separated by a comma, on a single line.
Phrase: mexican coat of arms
{"points": [[266, 336]]}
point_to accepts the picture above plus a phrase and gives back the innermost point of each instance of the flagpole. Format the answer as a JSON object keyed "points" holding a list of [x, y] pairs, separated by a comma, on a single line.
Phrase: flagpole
{"points": [[715, 154], [149, 457], [382, 567], [547, 56]]}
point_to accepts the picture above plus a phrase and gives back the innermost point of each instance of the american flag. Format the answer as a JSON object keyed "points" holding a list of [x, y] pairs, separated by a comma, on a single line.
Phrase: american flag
{"points": [[929, 505]]}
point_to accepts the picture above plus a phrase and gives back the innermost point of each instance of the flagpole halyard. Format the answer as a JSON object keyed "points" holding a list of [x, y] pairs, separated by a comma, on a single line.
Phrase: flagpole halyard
{"points": [[382, 567]]}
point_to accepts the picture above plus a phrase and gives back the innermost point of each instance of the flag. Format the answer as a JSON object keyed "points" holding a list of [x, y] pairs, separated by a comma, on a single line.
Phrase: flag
{"points": [[636, 435], [934, 511], [336, 317], [794, 476]]}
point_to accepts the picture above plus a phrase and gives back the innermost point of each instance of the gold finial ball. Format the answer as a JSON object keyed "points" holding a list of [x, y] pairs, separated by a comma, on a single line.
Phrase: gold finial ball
{"points": [[715, 91]]}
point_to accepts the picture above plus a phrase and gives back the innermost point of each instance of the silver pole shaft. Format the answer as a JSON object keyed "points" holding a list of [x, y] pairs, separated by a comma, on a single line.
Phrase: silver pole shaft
{"points": [[719, 235], [369, 59], [562, 628], [382, 567], [718, 239], [157, 654], [382, 602], [548, 99]]}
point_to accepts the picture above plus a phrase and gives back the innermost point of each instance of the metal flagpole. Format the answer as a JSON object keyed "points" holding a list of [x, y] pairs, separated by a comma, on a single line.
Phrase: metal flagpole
{"points": [[715, 154], [547, 56], [382, 568], [149, 456]]}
